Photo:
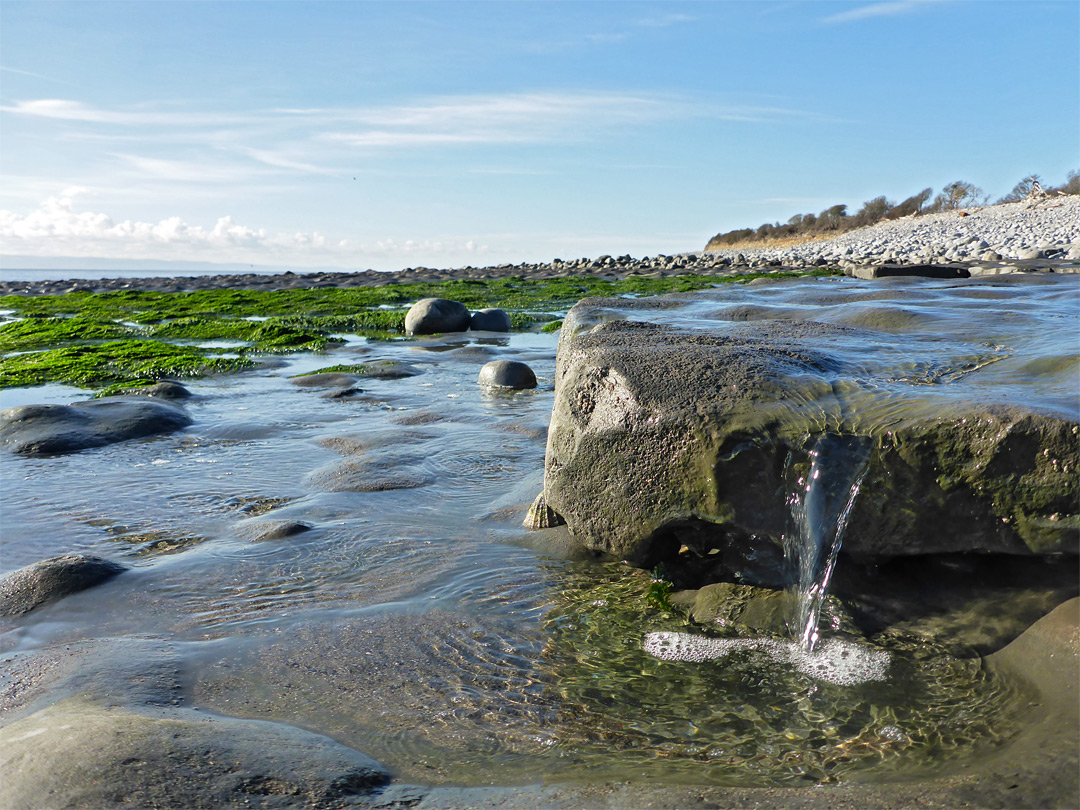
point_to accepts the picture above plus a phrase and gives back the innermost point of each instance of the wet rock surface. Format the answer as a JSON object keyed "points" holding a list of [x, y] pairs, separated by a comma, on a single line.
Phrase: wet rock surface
{"points": [[54, 429], [507, 374], [43, 582], [664, 434], [79, 755]]}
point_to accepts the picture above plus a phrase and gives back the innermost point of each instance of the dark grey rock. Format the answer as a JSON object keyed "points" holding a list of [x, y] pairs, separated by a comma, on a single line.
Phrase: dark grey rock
{"points": [[432, 315], [916, 270], [388, 370], [507, 374], [75, 754], [52, 429], [342, 393], [162, 389], [35, 585], [490, 320]]}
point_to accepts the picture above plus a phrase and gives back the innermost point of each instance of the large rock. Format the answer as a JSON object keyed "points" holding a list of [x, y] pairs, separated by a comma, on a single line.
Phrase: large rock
{"points": [[79, 755], [52, 429], [429, 316], [43, 582], [665, 436]]}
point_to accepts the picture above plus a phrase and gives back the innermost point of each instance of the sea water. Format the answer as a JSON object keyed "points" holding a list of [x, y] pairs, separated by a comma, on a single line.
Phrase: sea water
{"points": [[427, 628]]}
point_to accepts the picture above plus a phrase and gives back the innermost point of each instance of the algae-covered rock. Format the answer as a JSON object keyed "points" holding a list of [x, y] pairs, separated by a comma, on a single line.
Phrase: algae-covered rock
{"points": [[664, 435], [52, 429], [757, 610]]}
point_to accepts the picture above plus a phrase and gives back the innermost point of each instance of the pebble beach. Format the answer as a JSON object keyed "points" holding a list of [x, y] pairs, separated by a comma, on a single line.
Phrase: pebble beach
{"points": [[992, 240]]}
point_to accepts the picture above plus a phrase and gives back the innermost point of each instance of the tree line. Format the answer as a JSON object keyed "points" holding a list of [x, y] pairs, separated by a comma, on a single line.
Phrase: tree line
{"points": [[836, 219]]}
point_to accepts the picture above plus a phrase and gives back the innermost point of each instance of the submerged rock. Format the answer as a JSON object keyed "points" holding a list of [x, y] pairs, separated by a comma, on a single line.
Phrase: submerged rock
{"points": [[35, 585], [34, 430], [665, 436], [330, 379], [429, 316], [78, 755]]}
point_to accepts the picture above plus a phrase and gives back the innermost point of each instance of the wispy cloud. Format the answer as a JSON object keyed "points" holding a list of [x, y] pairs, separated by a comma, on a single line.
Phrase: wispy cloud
{"points": [[67, 110], [665, 20], [889, 8], [16, 71], [513, 118]]}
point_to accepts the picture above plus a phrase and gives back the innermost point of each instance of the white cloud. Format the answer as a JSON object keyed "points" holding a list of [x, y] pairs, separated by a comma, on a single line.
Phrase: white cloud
{"points": [[889, 8], [56, 228]]}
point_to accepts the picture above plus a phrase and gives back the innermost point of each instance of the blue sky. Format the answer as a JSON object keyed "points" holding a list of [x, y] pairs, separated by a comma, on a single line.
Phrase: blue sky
{"points": [[397, 134]]}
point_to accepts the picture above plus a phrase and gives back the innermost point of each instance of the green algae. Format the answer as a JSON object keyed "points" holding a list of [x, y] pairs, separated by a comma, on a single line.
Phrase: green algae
{"points": [[122, 338], [39, 332], [123, 361]]}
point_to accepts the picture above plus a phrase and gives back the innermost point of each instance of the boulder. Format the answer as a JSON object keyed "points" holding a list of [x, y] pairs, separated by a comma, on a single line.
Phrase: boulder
{"points": [[665, 436], [35, 585], [490, 320], [429, 316], [35, 430], [507, 374], [75, 754]]}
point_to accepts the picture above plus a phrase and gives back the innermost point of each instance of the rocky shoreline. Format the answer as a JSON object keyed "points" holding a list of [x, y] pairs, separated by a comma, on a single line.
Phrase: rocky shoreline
{"points": [[994, 240]]}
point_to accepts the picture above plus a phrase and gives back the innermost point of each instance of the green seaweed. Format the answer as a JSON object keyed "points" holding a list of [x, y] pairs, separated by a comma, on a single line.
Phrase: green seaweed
{"points": [[341, 368], [38, 332], [122, 361], [121, 338]]}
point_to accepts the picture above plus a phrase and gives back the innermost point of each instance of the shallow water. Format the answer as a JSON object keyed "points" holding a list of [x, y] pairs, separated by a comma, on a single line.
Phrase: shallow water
{"points": [[419, 622]]}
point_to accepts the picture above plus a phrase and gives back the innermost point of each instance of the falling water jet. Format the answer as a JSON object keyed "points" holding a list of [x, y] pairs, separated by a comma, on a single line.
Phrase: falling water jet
{"points": [[820, 503]]}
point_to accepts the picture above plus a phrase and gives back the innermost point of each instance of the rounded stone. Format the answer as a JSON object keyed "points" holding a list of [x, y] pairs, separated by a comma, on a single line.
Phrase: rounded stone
{"points": [[49, 580], [431, 315], [507, 374], [490, 320]]}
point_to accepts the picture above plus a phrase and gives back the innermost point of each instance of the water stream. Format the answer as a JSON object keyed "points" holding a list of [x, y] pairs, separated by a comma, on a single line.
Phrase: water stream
{"points": [[820, 502]]}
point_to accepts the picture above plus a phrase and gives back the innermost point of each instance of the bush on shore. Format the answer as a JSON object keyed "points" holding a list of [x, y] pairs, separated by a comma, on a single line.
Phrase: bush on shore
{"points": [[835, 219]]}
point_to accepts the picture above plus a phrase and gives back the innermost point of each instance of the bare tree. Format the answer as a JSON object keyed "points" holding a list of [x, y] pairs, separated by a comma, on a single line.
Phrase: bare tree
{"points": [[957, 194], [912, 205], [1021, 190]]}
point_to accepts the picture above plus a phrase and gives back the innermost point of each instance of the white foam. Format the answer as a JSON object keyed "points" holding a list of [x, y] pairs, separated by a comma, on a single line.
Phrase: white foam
{"points": [[832, 661]]}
